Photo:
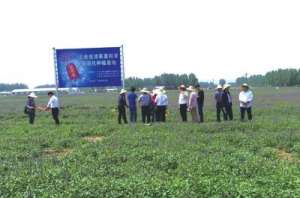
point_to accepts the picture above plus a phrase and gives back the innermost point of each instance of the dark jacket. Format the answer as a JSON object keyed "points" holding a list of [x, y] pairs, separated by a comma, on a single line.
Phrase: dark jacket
{"points": [[219, 98], [226, 99], [122, 101], [200, 98]]}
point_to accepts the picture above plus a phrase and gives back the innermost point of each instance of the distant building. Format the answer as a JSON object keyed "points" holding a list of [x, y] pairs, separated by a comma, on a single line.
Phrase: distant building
{"points": [[41, 90]]}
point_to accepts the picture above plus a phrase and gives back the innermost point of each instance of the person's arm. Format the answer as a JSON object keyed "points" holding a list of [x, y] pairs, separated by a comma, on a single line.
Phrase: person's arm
{"points": [[125, 101], [250, 97], [167, 101], [48, 105]]}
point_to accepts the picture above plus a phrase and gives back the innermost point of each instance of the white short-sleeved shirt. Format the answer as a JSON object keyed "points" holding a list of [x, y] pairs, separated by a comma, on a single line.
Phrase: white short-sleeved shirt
{"points": [[183, 98], [161, 100], [53, 102], [246, 99]]}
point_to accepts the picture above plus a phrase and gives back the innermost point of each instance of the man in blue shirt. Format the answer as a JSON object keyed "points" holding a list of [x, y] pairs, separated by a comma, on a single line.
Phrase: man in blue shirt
{"points": [[132, 97]]}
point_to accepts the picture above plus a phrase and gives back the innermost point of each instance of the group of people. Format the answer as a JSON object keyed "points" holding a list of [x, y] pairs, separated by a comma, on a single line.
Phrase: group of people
{"points": [[224, 101], [191, 99], [153, 105], [31, 107]]}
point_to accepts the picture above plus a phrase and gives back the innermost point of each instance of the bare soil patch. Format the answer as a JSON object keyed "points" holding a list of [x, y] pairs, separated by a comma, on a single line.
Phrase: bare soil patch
{"points": [[93, 139], [57, 152], [283, 155]]}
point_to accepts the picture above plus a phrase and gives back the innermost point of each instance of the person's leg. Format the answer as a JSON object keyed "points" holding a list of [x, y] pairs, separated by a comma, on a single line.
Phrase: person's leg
{"points": [[31, 115], [218, 114], [225, 113], [181, 109], [158, 114], [163, 113], [131, 116], [242, 110], [143, 114], [124, 115], [194, 115], [55, 114], [183, 112], [249, 112], [119, 115], [200, 109], [148, 114], [135, 116], [230, 113]]}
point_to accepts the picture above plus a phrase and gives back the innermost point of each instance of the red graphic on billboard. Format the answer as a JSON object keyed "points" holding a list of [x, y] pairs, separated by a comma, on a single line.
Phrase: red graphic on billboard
{"points": [[72, 71]]}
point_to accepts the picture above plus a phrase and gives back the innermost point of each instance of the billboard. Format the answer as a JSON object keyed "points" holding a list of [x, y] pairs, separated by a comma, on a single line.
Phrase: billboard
{"points": [[89, 67]]}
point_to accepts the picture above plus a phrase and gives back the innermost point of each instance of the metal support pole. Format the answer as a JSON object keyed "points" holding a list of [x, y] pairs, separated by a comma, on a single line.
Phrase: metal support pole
{"points": [[55, 71], [122, 65]]}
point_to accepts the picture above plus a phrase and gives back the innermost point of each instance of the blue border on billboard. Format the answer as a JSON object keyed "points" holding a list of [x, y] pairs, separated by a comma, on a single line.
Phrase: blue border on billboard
{"points": [[89, 67]]}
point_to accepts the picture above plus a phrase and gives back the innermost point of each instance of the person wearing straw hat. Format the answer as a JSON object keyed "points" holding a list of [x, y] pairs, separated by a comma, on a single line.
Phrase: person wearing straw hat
{"points": [[183, 100], [53, 104], [200, 100], [227, 102], [122, 104], [219, 102], [193, 104], [246, 101], [145, 103], [162, 102], [30, 107], [132, 98]]}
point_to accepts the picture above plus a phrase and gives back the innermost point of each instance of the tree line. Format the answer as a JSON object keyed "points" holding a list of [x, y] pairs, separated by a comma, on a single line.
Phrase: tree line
{"points": [[170, 81], [10, 87], [280, 77]]}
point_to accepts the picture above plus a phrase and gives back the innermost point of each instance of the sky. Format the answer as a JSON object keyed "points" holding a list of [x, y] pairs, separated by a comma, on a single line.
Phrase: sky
{"points": [[212, 38]]}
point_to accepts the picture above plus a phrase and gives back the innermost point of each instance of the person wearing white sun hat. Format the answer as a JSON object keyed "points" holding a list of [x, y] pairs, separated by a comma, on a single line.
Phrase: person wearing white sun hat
{"points": [[162, 102], [246, 101], [183, 101], [30, 107], [145, 103], [219, 102], [227, 102], [122, 104]]}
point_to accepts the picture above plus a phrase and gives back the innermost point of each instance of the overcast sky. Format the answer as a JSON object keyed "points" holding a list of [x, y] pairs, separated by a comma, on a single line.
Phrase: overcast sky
{"points": [[212, 38]]}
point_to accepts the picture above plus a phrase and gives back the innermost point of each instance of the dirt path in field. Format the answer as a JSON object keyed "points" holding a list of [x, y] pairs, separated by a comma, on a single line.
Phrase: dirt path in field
{"points": [[93, 139], [57, 152]]}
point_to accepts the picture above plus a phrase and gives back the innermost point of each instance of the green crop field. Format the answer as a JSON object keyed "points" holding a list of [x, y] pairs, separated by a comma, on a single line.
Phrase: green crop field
{"points": [[90, 155]]}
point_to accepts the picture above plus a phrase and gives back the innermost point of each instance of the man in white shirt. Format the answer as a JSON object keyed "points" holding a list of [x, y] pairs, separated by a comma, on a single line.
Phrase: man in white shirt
{"points": [[161, 101], [53, 104], [183, 102], [246, 101]]}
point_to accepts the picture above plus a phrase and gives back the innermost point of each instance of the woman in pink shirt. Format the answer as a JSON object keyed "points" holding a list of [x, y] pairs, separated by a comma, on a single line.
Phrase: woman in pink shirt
{"points": [[193, 104]]}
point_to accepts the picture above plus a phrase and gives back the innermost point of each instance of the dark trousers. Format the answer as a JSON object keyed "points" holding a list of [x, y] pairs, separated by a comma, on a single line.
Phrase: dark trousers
{"points": [[161, 113], [55, 114], [31, 115], [243, 111], [132, 115], [153, 114], [183, 112], [219, 110], [122, 114], [146, 114], [228, 112], [200, 110]]}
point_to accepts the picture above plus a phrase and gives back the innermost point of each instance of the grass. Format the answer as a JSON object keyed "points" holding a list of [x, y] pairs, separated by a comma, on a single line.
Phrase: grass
{"points": [[228, 159]]}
